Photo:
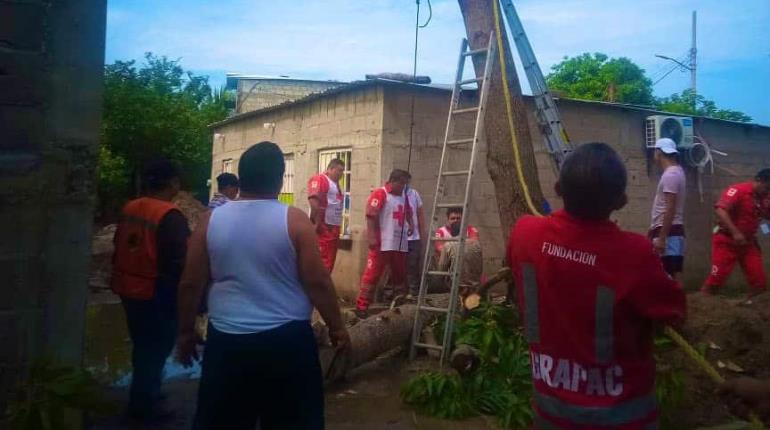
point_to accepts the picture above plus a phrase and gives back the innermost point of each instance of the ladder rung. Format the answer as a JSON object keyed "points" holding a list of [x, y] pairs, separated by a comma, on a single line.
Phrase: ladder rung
{"points": [[449, 205], [470, 81], [445, 239], [466, 110], [434, 309], [456, 173], [460, 141], [428, 346], [475, 52], [438, 273]]}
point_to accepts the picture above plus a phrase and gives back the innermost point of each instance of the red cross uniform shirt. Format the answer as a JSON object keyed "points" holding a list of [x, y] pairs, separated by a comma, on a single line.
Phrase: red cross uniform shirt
{"points": [[744, 207], [329, 196], [470, 232], [391, 212], [589, 295]]}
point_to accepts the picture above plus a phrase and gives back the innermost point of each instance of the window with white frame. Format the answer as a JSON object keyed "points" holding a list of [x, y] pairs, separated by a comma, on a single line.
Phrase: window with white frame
{"points": [[344, 154], [227, 165], [287, 191]]}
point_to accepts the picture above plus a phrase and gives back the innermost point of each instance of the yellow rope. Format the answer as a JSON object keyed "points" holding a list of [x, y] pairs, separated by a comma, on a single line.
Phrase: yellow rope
{"points": [[509, 110], [701, 361]]}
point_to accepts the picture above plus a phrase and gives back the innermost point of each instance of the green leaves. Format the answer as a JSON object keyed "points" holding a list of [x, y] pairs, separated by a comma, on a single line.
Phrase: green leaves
{"points": [[43, 400], [500, 387], [156, 109], [598, 77]]}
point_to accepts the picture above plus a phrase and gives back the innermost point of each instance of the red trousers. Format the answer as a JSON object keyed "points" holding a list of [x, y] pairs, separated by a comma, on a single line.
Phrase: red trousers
{"points": [[724, 255], [327, 244], [376, 262]]}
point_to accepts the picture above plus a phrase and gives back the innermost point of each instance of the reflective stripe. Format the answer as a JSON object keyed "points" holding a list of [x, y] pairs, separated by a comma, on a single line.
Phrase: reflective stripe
{"points": [[531, 321], [603, 330], [622, 413]]}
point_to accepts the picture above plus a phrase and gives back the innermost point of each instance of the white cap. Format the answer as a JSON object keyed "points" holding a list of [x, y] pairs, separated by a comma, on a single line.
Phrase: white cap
{"points": [[666, 145]]}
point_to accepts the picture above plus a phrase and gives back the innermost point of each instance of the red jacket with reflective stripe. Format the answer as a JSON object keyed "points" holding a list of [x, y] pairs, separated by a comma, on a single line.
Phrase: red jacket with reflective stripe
{"points": [[589, 295], [135, 262]]}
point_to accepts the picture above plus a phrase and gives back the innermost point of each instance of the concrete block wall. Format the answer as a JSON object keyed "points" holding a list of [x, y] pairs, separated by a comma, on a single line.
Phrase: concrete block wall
{"points": [[51, 68], [346, 120], [254, 94]]}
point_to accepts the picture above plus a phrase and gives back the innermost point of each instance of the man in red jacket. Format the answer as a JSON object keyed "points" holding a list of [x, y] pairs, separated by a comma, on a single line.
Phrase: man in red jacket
{"points": [[739, 211], [590, 296], [326, 204]]}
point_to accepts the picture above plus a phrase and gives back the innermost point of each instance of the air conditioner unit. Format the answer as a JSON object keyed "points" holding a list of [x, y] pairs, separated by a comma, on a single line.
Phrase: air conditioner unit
{"points": [[677, 128]]}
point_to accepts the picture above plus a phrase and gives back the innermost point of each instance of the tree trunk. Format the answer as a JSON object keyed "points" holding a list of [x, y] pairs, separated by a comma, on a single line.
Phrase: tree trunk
{"points": [[375, 336], [479, 24]]}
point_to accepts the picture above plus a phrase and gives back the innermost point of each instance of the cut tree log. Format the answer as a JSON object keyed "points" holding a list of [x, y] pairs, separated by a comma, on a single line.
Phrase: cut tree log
{"points": [[511, 203], [374, 336], [474, 299]]}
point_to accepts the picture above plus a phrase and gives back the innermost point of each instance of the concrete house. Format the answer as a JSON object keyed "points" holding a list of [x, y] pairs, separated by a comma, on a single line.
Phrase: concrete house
{"points": [[367, 124]]}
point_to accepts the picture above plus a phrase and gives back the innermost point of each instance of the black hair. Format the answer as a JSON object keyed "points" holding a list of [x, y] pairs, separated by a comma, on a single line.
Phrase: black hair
{"points": [[454, 210], [261, 169], [398, 175], [159, 173], [763, 176], [225, 180], [592, 181], [334, 163]]}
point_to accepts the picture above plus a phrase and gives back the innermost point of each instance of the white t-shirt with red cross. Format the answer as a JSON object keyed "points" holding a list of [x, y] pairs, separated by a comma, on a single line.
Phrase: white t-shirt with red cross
{"points": [[470, 233], [329, 196], [392, 213]]}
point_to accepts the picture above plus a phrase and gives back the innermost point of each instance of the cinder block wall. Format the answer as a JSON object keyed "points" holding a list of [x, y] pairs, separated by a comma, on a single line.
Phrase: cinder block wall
{"points": [[51, 68], [748, 147], [347, 120], [254, 94]]}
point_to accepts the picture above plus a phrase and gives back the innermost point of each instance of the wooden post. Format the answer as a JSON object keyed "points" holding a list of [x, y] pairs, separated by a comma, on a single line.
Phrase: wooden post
{"points": [[479, 23]]}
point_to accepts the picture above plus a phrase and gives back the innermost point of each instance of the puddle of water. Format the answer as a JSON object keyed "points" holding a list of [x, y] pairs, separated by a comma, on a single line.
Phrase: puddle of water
{"points": [[108, 348]]}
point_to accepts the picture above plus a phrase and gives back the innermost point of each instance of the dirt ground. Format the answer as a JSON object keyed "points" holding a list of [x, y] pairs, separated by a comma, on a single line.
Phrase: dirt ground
{"points": [[368, 399], [736, 336]]}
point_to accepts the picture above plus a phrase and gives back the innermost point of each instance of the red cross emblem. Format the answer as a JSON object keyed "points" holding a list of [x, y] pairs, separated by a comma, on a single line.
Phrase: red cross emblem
{"points": [[399, 215]]}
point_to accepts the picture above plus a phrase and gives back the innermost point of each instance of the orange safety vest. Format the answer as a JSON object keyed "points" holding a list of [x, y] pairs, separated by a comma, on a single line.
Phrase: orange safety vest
{"points": [[135, 263]]}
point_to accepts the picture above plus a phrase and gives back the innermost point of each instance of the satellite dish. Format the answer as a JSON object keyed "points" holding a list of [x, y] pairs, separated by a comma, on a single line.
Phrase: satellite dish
{"points": [[672, 129]]}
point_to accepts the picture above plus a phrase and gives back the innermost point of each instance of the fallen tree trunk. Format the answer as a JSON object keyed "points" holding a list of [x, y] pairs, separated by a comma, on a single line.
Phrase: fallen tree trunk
{"points": [[375, 336]]}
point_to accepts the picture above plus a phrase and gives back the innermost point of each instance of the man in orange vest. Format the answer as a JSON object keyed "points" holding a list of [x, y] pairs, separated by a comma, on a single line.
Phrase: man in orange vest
{"points": [[150, 247]]}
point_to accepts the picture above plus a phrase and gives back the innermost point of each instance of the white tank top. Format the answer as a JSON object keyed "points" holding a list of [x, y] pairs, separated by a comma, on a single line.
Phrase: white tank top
{"points": [[393, 226], [334, 201], [255, 280]]}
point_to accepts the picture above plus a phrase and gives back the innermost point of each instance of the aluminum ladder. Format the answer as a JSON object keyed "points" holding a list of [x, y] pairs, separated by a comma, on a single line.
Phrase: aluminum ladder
{"points": [[546, 112], [453, 142]]}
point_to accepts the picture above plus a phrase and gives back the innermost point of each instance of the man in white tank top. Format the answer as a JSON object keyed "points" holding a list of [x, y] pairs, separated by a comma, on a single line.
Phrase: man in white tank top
{"points": [[261, 359], [388, 226], [326, 202]]}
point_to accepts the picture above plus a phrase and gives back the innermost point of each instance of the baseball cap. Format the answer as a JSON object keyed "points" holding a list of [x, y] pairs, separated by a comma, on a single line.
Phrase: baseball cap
{"points": [[666, 145]]}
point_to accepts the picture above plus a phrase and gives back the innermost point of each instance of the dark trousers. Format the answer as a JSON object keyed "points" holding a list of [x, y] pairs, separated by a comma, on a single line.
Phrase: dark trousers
{"points": [[152, 328], [272, 378], [413, 264]]}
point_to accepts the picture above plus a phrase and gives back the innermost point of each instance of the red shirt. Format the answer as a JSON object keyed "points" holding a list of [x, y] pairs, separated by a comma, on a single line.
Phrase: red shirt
{"points": [[744, 207], [589, 294], [330, 198]]}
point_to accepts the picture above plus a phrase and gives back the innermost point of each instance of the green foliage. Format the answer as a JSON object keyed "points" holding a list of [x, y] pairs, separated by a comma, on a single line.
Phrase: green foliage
{"points": [[500, 387], [156, 109], [688, 103], [669, 382], [50, 391], [598, 77]]}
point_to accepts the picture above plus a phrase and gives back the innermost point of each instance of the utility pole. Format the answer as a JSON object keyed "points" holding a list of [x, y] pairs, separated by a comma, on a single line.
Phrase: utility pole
{"points": [[693, 59]]}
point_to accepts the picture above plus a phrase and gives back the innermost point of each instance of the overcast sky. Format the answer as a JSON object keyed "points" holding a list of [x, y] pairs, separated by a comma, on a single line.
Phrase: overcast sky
{"points": [[346, 39]]}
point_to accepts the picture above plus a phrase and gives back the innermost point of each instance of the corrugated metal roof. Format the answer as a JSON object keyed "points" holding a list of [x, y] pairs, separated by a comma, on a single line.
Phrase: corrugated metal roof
{"points": [[233, 78]]}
